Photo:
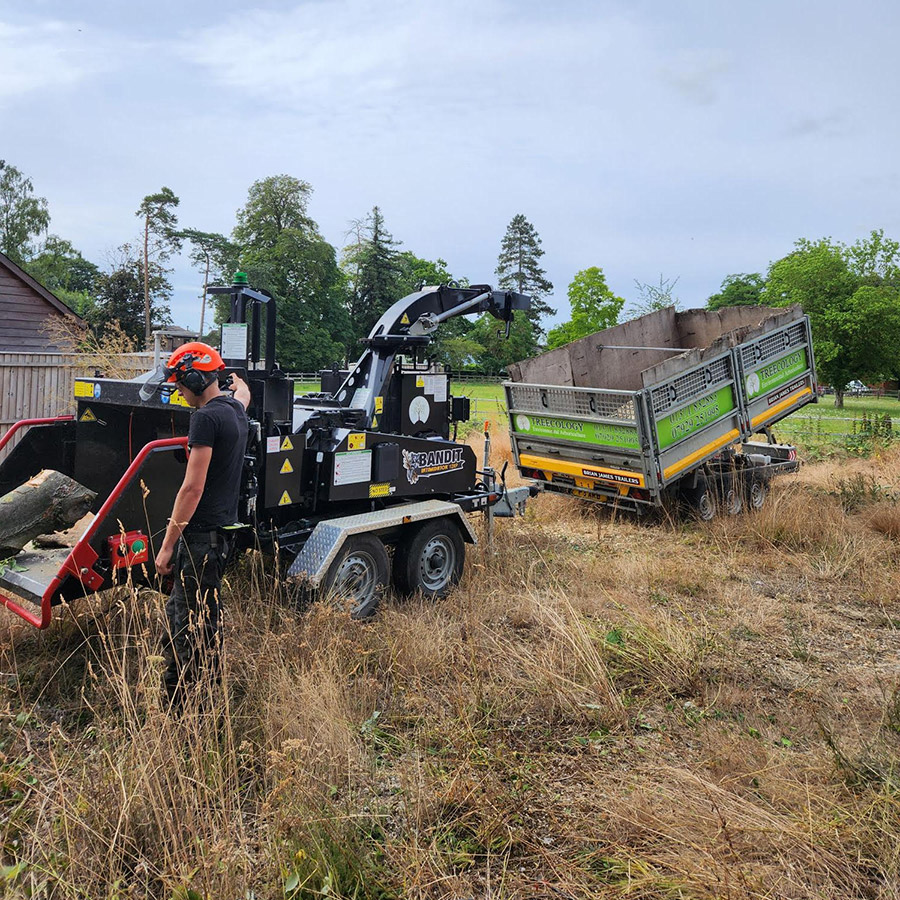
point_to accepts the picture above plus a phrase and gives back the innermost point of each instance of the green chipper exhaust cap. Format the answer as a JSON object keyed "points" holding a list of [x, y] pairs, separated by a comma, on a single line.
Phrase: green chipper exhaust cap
{"points": [[240, 278]]}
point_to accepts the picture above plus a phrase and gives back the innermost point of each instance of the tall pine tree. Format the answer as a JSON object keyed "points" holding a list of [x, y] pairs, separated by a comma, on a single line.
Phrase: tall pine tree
{"points": [[160, 241], [375, 274], [519, 269]]}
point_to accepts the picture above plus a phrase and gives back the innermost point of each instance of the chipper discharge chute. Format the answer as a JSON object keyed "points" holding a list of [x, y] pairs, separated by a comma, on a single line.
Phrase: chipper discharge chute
{"points": [[665, 406], [331, 481]]}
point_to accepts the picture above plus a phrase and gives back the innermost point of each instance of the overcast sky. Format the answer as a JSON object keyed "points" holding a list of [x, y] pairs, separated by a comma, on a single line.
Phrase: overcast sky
{"points": [[683, 139]]}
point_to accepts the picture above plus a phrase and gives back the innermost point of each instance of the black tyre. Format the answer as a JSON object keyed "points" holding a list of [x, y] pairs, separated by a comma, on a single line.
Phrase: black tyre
{"points": [[430, 559], [356, 580], [757, 492], [702, 499], [733, 496]]}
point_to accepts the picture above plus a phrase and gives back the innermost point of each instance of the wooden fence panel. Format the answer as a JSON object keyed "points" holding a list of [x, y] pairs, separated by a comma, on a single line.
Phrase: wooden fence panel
{"points": [[37, 385]]}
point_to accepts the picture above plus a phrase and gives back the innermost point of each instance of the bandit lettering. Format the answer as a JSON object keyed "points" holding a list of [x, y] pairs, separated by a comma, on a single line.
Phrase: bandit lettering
{"points": [[431, 462]]}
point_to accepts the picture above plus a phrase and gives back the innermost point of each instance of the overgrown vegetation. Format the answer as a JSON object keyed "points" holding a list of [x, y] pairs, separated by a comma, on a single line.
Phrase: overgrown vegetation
{"points": [[602, 709]]}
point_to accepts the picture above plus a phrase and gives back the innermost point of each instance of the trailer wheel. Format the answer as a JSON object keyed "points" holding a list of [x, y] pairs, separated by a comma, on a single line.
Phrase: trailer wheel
{"points": [[359, 576], [702, 499], [430, 560], [759, 491], [734, 497]]}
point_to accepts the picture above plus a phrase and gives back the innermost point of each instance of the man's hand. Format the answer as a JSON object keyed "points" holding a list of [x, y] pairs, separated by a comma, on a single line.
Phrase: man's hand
{"points": [[240, 390], [163, 561]]}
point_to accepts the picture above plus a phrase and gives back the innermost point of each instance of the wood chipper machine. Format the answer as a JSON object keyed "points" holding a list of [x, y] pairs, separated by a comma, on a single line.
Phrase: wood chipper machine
{"points": [[355, 488]]}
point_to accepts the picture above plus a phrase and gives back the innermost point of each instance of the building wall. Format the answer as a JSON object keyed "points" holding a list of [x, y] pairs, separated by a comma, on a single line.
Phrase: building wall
{"points": [[24, 317]]}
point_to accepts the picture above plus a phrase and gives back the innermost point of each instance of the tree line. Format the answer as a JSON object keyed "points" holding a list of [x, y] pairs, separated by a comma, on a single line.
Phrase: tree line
{"points": [[328, 299], [851, 293]]}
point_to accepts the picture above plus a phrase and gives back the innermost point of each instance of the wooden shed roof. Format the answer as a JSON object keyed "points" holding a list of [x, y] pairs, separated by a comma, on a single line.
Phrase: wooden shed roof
{"points": [[39, 289]]}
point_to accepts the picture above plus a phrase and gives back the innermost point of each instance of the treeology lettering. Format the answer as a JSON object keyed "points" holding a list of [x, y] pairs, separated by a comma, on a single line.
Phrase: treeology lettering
{"points": [[786, 362], [594, 432]]}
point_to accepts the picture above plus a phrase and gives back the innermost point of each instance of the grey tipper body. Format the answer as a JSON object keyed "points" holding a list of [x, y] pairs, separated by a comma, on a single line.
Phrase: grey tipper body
{"points": [[663, 404]]}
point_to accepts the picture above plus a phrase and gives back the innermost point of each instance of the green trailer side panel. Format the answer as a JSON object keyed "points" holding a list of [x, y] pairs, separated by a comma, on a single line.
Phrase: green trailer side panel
{"points": [[595, 433], [776, 373], [702, 412]]}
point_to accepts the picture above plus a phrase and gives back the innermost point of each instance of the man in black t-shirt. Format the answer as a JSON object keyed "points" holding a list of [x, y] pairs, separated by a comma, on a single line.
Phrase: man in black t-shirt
{"points": [[196, 544]]}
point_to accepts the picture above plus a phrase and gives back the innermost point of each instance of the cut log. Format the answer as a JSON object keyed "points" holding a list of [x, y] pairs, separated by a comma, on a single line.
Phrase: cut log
{"points": [[67, 538], [48, 502]]}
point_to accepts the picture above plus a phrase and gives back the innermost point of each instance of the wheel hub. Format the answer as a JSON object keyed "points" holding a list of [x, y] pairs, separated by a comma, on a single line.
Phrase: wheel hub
{"points": [[437, 563], [356, 578]]}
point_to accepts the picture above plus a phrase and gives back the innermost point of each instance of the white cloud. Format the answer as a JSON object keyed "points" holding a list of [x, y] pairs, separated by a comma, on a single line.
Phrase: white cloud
{"points": [[697, 74], [460, 60], [45, 56]]}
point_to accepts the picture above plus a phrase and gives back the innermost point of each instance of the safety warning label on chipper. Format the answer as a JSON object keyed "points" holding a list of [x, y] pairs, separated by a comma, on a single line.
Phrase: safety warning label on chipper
{"points": [[352, 468]]}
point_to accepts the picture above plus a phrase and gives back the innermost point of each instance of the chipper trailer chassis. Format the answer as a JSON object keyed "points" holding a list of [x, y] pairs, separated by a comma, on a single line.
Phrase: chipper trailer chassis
{"points": [[664, 408], [331, 481]]}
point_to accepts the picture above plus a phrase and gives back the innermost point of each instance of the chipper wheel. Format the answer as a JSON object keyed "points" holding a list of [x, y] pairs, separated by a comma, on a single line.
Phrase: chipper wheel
{"points": [[429, 560], [359, 576]]}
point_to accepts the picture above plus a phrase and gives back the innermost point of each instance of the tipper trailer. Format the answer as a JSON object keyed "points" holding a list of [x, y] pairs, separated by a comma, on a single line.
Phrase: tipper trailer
{"points": [[331, 481], [665, 407]]}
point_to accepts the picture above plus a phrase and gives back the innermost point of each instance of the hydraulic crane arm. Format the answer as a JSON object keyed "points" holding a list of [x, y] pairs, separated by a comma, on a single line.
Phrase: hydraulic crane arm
{"points": [[409, 324]]}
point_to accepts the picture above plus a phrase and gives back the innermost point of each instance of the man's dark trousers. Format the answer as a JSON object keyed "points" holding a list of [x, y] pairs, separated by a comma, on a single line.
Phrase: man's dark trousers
{"points": [[191, 645]]}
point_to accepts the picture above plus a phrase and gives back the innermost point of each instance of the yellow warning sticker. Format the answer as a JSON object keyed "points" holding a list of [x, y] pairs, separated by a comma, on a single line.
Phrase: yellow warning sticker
{"points": [[286, 468], [420, 381], [404, 319], [379, 404], [374, 422], [356, 441], [175, 399], [88, 415], [84, 389], [285, 499], [287, 444], [379, 490]]}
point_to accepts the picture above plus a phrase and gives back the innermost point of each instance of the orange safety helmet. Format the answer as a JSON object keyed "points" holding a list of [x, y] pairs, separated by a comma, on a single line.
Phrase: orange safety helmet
{"points": [[194, 366]]}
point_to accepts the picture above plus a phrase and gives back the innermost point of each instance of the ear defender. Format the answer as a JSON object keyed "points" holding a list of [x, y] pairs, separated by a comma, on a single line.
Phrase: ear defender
{"points": [[195, 380]]}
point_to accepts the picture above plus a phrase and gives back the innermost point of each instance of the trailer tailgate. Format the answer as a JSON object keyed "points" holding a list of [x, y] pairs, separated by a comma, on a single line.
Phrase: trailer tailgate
{"points": [[580, 438]]}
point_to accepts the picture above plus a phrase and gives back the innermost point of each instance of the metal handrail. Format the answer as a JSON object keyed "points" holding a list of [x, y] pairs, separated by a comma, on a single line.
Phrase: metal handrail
{"points": [[71, 565], [26, 423]]}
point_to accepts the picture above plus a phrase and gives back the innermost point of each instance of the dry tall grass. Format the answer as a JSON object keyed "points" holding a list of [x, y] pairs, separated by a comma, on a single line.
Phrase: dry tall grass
{"points": [[602, 709]]}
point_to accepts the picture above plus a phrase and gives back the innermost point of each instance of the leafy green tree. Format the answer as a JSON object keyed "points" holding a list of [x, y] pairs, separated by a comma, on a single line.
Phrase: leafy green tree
{"points": [[738, 290], [64, 271], [210, 254], [594, 307], [416, 273], [160, 240], [498, 350], [274, 205], [121, 296], [23, 217], [519, 269], [852, 297], [283, 252]]}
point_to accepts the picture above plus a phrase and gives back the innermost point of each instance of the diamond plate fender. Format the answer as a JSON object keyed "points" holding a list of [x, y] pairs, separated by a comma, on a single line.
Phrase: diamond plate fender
{"points": [[324, 544]]}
